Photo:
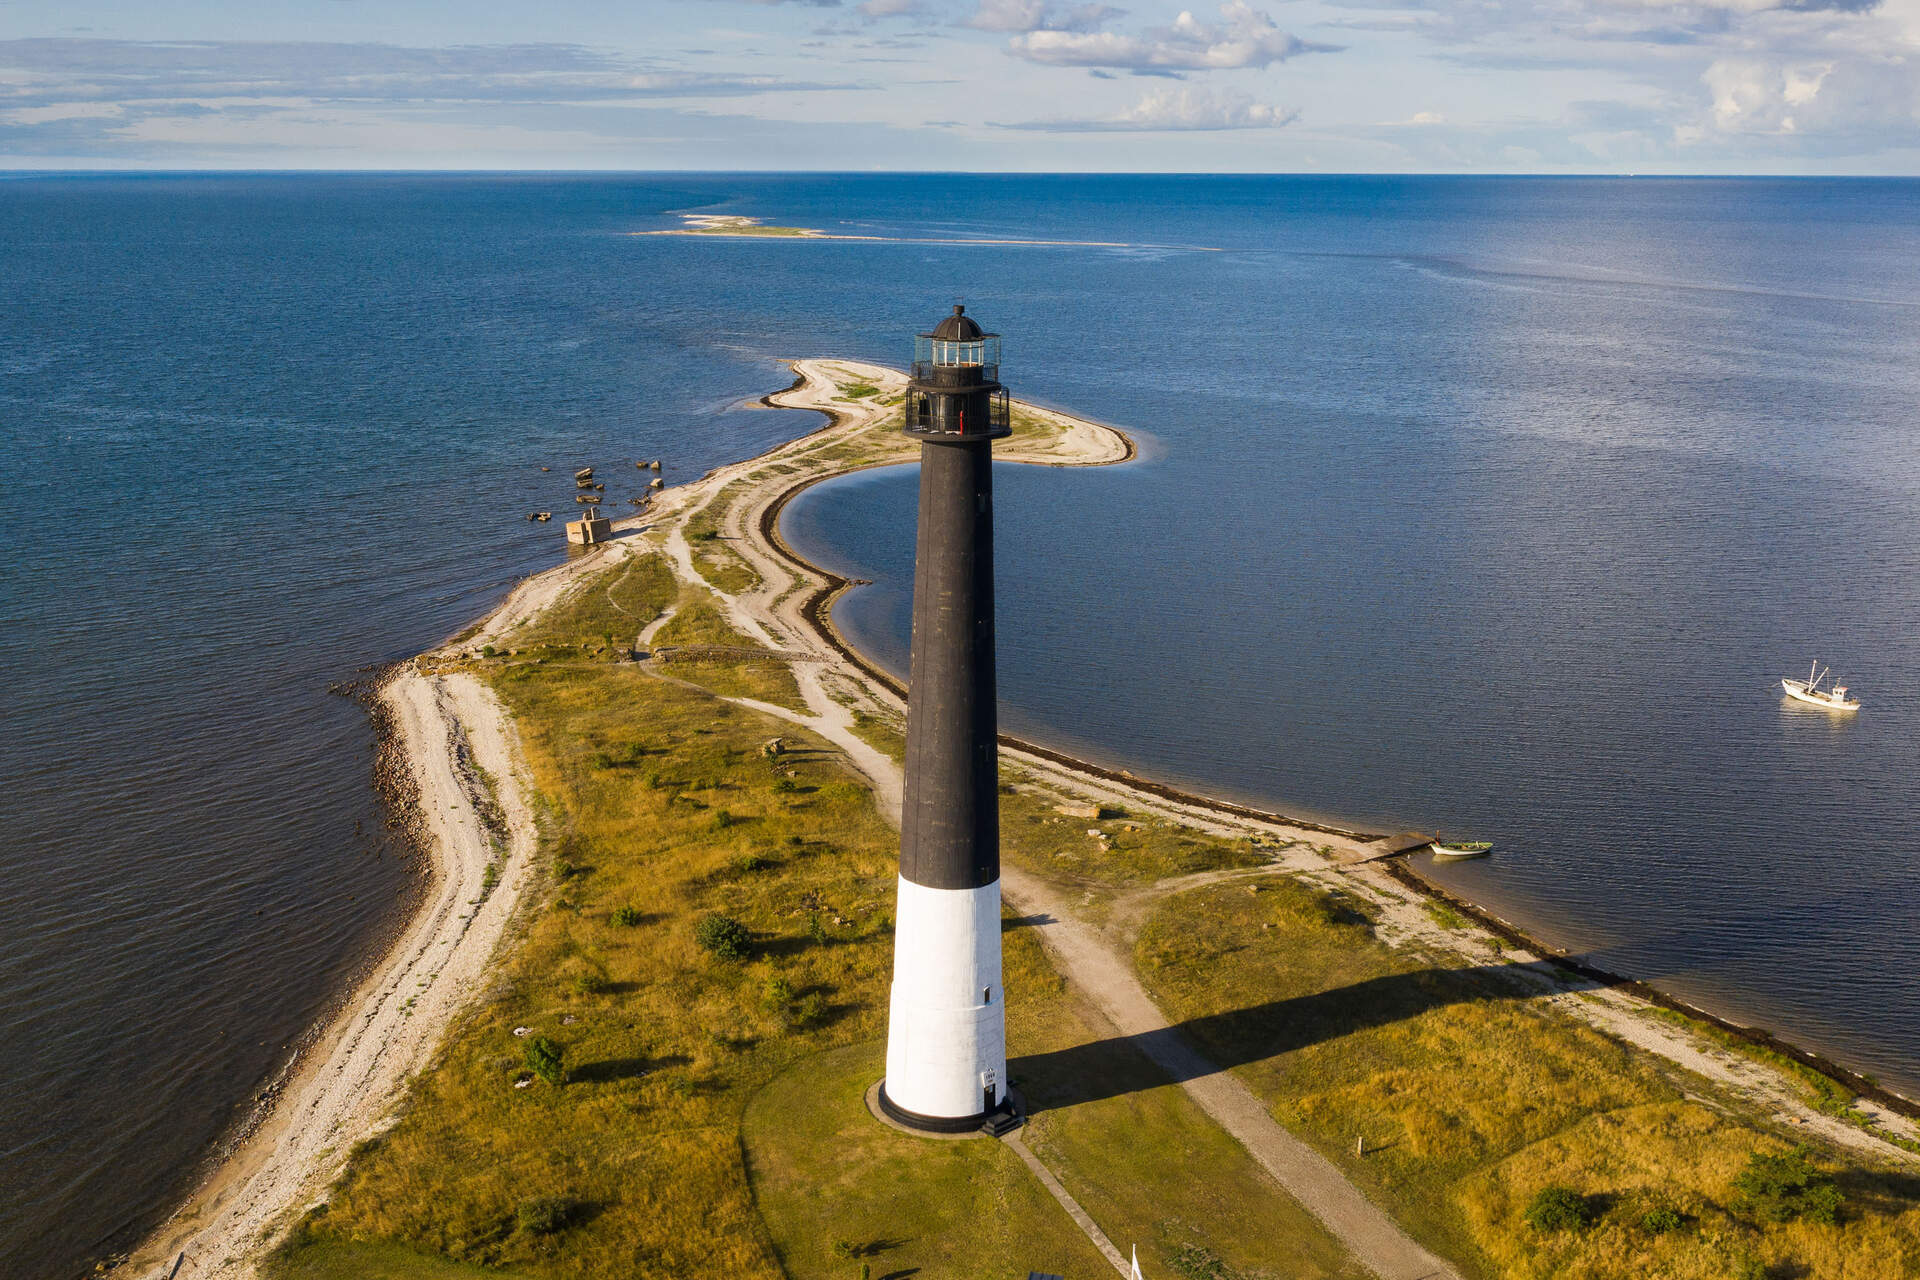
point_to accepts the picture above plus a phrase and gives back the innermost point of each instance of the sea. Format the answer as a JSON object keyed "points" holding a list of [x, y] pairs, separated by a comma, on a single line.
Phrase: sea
{"points": [[1490, 506]]}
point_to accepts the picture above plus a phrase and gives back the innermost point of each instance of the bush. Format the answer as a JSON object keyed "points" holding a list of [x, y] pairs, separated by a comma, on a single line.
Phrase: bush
{"points": [[545, 1059], [544, 1215], [750, 862], [1659, 1221], [592, 984], [784, 786], [601, 760], [1780, 1188], [778, 993], [1197, 1262], [722, 820], [1558, 1208], [816, 927], [488, 651], [723, 937], [626, 917]]}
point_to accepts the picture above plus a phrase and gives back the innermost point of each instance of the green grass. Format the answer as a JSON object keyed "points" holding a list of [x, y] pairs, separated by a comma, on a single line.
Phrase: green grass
{"points": [[1137, 1154], [1472, 1098], [615, 602], [717, 561], [699, 622], [310, 1256], [666, 1044], [1140, 850], [824, 1171]]}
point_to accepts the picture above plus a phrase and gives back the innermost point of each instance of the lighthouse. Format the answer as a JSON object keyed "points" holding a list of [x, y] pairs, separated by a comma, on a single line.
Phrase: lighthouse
{"points": [[946, 1020]]}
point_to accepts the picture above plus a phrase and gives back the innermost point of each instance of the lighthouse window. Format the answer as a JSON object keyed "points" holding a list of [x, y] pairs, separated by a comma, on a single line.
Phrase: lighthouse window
{"points": [[986, 995]]}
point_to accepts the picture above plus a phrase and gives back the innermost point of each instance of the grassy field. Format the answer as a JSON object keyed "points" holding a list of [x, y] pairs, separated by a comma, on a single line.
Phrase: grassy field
{"points": [[707, 1100], [1472, 1100]]}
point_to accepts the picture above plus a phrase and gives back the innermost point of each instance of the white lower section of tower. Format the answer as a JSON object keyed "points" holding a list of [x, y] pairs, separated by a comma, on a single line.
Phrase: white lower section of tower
{"points": [[946, 1022]]}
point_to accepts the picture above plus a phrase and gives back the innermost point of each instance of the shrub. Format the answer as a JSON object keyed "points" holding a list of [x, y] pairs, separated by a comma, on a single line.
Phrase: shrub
{"points": [[1780, 1188], [750, 862], [784, 786], [1558, 1208], [1662, 1219], [723, 937], [806, 1011], [545, 1059], [816, 927], [778, 993], [1197, 1262], [592, 984], [722, 819], [626, 917], [564, 870], [488, 651], [601, 760], [544, 1215]]}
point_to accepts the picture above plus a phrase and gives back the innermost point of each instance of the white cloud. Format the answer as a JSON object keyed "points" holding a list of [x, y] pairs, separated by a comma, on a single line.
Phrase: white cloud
{"points": [[49, 71], [1246, 38], [1039, 15], [1182, 110]]}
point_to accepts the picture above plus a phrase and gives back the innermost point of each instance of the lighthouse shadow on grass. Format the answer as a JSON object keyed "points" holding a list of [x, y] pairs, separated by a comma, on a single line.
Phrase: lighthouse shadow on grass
{"points": [[1203, 1046]]}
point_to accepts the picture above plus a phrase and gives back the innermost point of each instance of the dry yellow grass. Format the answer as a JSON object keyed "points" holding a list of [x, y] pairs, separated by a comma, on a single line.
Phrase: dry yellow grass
{"points": [[1473, 1098]]}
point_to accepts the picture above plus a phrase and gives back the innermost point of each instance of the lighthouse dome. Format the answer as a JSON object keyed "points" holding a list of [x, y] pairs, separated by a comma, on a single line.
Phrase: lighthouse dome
{"points": [[958, 327]]}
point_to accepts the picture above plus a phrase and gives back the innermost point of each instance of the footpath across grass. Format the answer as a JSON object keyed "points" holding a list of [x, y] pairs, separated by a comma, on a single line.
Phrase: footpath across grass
{"points": [[1473, 1100]]}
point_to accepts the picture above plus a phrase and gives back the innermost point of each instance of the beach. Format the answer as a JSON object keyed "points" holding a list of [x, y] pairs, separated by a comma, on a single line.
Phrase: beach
{"points": [[475, 813]]}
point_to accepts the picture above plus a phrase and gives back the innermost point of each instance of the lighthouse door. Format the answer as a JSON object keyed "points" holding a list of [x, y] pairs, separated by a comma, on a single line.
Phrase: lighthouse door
{"points": [[987, 1099]]}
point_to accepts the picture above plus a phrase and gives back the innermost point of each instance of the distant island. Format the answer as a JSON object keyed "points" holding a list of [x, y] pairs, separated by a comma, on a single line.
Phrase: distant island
{"points": [[738, 226], [631, 1027]]}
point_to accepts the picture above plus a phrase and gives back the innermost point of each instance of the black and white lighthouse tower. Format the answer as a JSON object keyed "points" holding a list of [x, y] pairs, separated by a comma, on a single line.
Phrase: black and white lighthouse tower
{"points": [[946, 1027]]}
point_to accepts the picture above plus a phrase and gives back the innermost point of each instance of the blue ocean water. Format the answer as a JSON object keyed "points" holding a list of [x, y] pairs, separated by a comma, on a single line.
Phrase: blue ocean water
{"points": [[1497, 505]]}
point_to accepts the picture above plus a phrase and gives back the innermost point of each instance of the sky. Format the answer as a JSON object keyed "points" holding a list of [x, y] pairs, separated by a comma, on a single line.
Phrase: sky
{"points": [[1343, 86]]}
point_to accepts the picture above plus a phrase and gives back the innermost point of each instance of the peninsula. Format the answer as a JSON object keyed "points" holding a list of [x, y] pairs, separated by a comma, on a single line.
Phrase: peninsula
{"points": [[631, 1027]]}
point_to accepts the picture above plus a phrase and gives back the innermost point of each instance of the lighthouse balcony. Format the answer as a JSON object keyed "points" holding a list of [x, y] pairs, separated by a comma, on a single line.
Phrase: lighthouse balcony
{"points": [[958, 416], [934, 373]]}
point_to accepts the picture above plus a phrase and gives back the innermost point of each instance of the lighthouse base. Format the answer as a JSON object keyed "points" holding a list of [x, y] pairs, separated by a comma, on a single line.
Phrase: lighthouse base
{"points": [[1008, 1115]]}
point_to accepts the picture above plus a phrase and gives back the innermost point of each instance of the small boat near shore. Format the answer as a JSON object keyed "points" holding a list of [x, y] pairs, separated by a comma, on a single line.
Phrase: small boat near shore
{"points": [[1809, 690], [1457, 850]]}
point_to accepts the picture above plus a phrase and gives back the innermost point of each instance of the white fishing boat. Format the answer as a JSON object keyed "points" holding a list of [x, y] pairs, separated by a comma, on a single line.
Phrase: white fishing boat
{"points": [[1453, 850], [1809, 690]]}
